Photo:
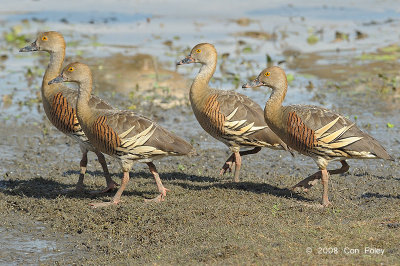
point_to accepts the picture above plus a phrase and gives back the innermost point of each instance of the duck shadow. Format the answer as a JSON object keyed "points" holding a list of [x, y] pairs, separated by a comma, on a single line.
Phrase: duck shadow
{"points": [[95, 173], [146, 174], [363, 174], [37, 187], [257, 188], [40, 187], [173, 176], [379, 196]]}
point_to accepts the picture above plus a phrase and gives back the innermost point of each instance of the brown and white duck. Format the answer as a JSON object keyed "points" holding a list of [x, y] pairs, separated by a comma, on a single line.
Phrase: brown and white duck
{"points": [[315, 131], [228, 116], [59, 102], [124, 135]]}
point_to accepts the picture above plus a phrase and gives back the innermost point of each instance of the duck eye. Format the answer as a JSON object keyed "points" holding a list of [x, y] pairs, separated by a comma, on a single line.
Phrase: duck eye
{"points": [[267, 74], [198, 51], [70, 69], [44, 38]]}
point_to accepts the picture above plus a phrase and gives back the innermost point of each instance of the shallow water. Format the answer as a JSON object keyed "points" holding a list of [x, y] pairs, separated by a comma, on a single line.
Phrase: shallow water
{"points": [[102, 29], [131, 27], [21, 248]]}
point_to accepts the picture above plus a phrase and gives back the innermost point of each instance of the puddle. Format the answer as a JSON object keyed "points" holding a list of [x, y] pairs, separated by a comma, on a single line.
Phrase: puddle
{"points": [[19, 248]]}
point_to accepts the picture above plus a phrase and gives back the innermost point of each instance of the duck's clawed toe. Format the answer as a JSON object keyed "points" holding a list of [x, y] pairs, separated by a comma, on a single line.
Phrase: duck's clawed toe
{"points": [[307, 183]]}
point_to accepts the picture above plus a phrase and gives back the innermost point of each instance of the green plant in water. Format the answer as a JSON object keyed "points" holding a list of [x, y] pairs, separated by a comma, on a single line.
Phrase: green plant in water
{"points": [[247, 50], [14, 36], [378, 57], [312, 38], [236, 81], [290, 78]]}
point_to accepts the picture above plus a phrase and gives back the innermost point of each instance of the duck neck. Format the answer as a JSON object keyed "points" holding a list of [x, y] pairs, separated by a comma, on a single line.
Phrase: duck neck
{"points": [[273, 107], [83, 110], [52, 71], [200, 89]]}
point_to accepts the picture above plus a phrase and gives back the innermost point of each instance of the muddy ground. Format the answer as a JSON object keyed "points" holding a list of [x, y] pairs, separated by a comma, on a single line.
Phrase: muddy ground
{"points": [[206, 218]]}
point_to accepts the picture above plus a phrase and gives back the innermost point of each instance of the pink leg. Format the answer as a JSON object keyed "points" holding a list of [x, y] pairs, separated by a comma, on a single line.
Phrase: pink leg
{"points": [[228, 165], [325, 179], [238, 161], [345, 167], [79, 186], [232, 161], [160, 186], [111, 185], [310, 181], [117, 197]]}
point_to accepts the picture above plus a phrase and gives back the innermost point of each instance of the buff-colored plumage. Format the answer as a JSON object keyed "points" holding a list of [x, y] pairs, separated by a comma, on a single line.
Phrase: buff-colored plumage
{"points": [[228, 116], [59, 101], [124, 135], [315, 131]]}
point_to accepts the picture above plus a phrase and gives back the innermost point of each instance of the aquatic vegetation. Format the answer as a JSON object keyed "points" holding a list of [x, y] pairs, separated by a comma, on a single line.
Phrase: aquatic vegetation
{"points": [[312, 36], [258, 35], [389, 125], [14, 36], [290, 78], [387, 53], [247, 50]]}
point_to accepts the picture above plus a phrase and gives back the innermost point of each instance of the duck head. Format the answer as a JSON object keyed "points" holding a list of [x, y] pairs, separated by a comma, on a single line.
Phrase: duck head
{"points": [[203, 53], [272, 77], [50, 41], [74, 72]]}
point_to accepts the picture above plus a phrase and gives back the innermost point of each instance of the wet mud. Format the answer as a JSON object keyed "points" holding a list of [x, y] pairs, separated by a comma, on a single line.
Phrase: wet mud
{"points": [[206, 218]]}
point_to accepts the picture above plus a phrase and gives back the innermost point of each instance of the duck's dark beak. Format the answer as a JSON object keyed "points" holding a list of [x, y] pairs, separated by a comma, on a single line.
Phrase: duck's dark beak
{"points": [[58, 79], [253, 84], [186, 60], [30, 48]]}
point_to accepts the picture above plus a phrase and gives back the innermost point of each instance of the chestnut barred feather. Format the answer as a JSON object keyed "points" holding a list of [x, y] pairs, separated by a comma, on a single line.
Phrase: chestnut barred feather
{"points": [[212, 112], [301, 137], [105, 139], [236, 120], [130, 137], [317, 131], [62, 114]]}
